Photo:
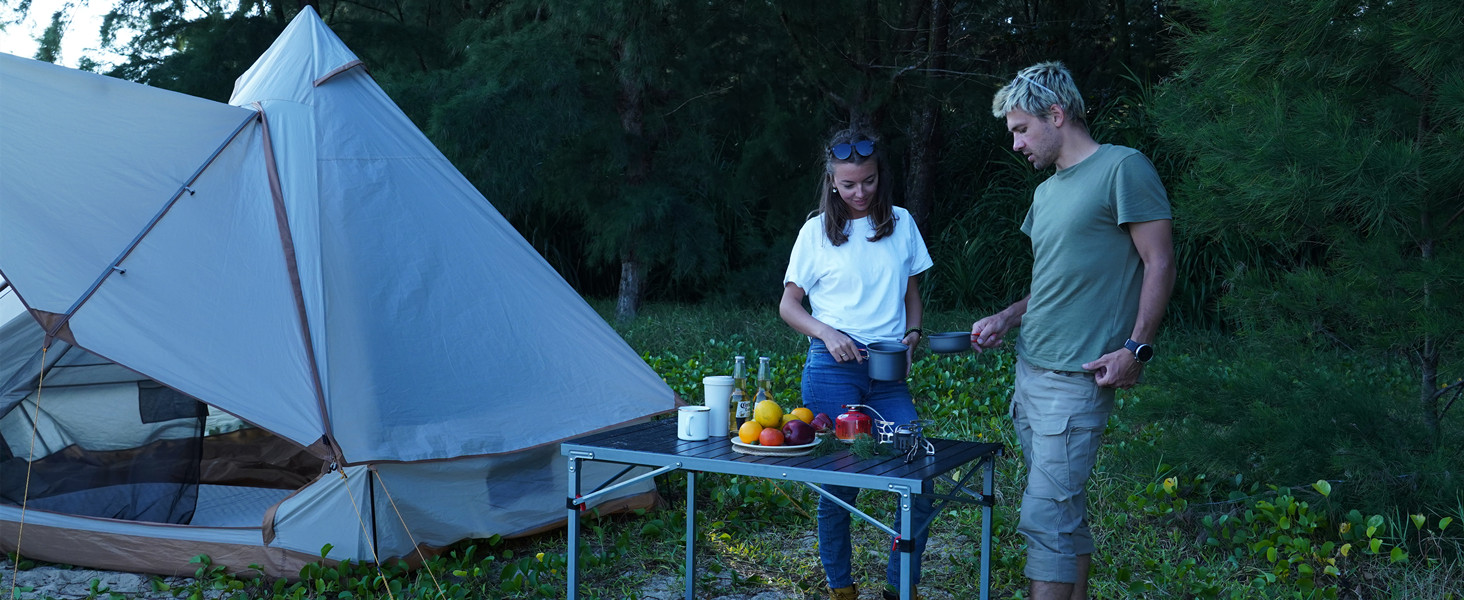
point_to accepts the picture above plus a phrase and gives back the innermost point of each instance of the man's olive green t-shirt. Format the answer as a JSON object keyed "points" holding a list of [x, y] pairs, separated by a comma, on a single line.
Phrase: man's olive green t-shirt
{"points": [[1086, 272]]}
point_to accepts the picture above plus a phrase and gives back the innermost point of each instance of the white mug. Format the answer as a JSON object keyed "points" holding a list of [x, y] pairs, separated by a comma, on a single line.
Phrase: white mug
{"points": [[691, 423]]}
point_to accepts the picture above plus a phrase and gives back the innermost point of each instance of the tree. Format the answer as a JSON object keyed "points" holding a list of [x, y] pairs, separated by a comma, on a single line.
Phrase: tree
{"points": [[198, 48], [614, 124], [1326, 135]]}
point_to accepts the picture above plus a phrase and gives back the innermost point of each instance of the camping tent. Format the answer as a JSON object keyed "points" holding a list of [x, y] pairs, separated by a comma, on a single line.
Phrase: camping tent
{"points": [[305, 260]]}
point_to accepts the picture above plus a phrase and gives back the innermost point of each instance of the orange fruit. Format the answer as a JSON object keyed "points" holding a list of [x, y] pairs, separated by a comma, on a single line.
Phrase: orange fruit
{"points": [[770, 436], [749, 432], [768, 414], [803, 414]]}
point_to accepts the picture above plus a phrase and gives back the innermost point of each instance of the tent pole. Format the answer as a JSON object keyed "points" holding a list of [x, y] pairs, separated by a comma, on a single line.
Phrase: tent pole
{"points": [[115, 266], [371, 483]]}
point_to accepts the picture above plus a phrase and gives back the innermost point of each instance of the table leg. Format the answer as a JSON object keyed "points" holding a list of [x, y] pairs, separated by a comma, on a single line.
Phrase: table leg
{"points": [[987, 489], [906, 544], [690, 535], [572, 569]]}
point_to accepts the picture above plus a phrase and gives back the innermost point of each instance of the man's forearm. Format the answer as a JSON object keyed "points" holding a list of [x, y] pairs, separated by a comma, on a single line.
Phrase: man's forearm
{"points": [[1153, 298]]}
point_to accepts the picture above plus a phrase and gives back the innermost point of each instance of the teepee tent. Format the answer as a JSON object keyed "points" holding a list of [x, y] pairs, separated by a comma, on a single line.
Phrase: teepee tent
{"points": [[305, 260]]}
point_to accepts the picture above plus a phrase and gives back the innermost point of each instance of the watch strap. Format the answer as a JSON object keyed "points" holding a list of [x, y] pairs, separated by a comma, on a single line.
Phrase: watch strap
{"points": [[1142, 352]]}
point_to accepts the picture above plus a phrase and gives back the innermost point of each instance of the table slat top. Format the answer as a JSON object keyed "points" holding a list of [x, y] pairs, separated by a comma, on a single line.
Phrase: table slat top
{"points": [[656, 444]]}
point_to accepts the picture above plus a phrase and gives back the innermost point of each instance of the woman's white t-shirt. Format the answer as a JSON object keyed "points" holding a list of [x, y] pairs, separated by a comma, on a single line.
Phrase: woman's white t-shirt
{"points": [[859, 287]]}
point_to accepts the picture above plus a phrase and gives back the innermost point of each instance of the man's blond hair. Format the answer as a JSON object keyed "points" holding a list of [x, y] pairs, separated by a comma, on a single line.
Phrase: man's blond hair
{"points": [[1036, 89]]}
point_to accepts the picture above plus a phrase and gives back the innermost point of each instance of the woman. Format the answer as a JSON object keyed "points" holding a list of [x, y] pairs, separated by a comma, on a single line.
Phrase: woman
{"points": [[856, 262]]}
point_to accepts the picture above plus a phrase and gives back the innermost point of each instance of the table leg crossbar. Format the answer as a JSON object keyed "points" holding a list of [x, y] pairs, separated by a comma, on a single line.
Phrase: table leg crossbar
{"points": [[578, 500], [861, 514]]}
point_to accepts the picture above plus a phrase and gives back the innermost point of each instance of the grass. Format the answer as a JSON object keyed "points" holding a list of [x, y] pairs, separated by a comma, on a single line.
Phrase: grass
{"points": [[1155, 523]]}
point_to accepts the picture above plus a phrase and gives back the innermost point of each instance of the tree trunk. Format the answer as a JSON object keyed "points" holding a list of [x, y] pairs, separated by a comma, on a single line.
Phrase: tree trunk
{"points": [[1428, 393], [925, 126], [630, 103], [632, 283], [1121, 37], [921, 175], [1428, 363]]}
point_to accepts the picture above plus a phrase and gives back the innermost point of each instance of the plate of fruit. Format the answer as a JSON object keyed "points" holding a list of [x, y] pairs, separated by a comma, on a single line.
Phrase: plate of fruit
{"points": [[772, 433]]}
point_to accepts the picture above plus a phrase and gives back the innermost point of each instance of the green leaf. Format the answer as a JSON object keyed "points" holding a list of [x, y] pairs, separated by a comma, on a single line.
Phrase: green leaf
{"points": [[1397, 555], [1418, 521], [1444, 523], [1322, 487]]}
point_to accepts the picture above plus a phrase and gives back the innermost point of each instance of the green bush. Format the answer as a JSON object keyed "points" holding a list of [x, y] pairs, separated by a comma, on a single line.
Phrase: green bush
{"points": [[1291, 415]]}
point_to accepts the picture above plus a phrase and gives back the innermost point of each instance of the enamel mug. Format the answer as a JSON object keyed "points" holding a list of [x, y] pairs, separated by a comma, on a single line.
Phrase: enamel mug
{"points": [[691, 423]]}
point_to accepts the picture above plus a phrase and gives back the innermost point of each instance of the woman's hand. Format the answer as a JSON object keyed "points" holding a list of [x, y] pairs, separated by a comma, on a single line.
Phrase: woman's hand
{"points": [[910, 341], [841, 347]]}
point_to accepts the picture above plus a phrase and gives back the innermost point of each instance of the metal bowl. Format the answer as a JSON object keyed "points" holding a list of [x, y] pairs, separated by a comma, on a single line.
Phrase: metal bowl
{"points": [[950, 342]]}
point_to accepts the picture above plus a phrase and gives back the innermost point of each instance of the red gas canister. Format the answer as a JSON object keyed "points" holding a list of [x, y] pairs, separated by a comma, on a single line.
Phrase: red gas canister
{"points": [[850, 424]]}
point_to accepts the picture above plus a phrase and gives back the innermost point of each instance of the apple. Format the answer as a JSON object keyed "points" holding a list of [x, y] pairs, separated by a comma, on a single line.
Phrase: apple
{"points": [[797, 433]]}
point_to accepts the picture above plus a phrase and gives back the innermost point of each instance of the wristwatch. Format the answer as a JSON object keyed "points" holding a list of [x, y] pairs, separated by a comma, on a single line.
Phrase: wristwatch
{"points": [[1142, 352]]}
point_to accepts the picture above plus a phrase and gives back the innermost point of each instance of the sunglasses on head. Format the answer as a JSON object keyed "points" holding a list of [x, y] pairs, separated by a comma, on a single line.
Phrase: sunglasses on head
{"points": [[845, 150]]}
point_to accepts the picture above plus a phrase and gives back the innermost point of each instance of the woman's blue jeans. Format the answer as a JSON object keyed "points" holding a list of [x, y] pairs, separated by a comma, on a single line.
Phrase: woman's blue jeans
{"points": [[827, 386]]}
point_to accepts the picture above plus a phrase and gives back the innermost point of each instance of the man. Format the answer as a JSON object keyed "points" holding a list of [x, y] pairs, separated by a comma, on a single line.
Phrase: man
{"points": [[1102, 273]]}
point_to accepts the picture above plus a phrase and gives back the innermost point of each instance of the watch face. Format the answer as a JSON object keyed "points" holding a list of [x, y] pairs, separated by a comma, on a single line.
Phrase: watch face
{"points": [[1144, 352]]}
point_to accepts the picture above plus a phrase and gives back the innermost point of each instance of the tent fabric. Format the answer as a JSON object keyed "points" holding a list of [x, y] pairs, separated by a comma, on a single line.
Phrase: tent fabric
{"points": [[388, 227], [419, 299], [304, 259]]}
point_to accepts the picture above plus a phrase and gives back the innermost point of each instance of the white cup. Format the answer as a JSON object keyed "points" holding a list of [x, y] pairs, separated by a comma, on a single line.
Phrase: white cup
{"points": [[691, 423], [719, 392]]}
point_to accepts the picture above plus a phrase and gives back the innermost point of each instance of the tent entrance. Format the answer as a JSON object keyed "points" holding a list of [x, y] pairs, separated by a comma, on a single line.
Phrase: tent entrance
{"points": [[139, 451]]}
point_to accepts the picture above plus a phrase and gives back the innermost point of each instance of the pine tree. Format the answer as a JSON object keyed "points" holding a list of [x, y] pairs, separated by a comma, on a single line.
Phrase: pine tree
{"points": [[1326, 135]]}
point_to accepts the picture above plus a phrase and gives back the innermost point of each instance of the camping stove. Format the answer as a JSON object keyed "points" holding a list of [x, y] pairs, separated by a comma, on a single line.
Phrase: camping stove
{"points": [[908, 439]]}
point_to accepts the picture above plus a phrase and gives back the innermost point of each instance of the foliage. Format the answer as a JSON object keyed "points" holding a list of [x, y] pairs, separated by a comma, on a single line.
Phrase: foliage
{"points": [[1324, 135], [684, 138], [1237, 408], [1190, 530], [1287, 541]]}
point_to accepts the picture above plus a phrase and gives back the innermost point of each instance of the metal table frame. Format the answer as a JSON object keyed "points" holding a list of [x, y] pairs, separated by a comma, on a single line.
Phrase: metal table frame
{"points": [[655, 445]]}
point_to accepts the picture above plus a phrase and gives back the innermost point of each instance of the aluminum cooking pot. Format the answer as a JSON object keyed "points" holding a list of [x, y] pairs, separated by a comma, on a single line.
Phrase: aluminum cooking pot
{"points": [[950, 342], [888, 361]]}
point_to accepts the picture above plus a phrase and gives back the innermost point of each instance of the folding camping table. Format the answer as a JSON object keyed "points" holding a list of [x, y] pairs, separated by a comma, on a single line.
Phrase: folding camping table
{"points": [[655, 445]]}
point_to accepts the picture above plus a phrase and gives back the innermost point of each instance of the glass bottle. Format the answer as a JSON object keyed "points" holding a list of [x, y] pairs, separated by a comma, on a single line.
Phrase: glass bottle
{"points": [[764, 380], [738, 405]]}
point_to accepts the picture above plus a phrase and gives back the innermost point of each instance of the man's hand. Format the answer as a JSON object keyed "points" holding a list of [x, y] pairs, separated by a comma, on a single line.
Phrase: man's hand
{"points": [[1117, 369], [988, 333]]}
